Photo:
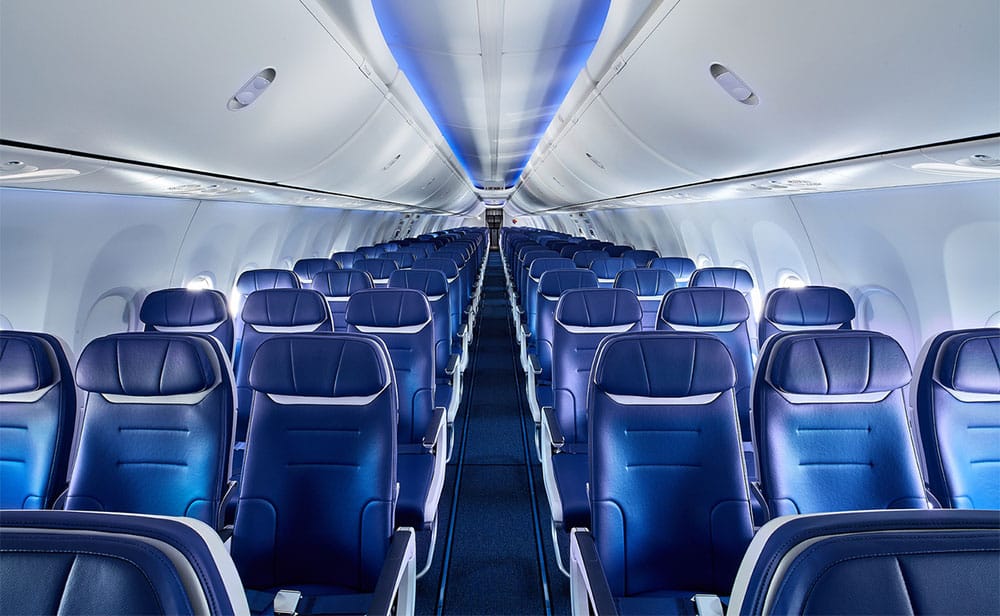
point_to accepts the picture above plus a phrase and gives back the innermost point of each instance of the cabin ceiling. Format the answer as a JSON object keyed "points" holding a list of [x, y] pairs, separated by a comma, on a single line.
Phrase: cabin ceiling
{"points": [[136, 95]]}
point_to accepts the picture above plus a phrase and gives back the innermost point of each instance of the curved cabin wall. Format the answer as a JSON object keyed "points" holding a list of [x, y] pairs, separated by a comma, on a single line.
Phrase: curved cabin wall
{"points": [[916, 260], [78, 265]]}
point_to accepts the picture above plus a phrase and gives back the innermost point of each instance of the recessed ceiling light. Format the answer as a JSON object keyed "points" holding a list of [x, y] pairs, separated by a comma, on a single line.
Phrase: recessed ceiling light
{"points": [[15, 171], [958, 170], [252, 89], [733, 85]]}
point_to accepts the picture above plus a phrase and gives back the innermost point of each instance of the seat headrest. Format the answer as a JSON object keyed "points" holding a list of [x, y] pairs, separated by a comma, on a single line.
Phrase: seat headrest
{"points": [[545, 264], [445, 266], [681, 267], [704, 307], [27, 363], [323, 365], [641, 258], [431, 282], [553, 283], [184, 308], [608, 267], [645, 282], [306, 269], [148, 364], [809, 306], [663, 365], [403, 260], [285, 308], [968, 362], [532, 256], [598, 308], [728, 277], [389, 247], [378, 268], [388, 308], [260, 279], [345, 259], [585, 257], [838, 362], [341, 283]]}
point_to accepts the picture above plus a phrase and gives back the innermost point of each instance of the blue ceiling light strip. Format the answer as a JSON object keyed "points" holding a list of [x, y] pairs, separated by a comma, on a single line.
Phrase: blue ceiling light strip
{"points": [[424, 38]]}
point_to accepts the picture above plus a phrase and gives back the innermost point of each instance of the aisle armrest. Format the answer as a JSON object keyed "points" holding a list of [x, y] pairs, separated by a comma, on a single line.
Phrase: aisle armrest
{"points": [[536, 366], [557, 440], [452, 366], [589, 587], [435, 428], [396, 585]]}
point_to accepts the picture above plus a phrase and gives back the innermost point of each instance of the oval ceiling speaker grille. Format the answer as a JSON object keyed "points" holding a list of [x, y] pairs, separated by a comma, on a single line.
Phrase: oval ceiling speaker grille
{"points": [[733, 85], [252, 89]]}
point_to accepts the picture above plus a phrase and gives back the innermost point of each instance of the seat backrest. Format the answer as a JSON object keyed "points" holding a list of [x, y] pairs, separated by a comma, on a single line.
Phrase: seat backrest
{"points": [[403, 260], [37, 419], [724, 314], [873, 562], [337, 287], [607, 269], [617, 250], [813, 307], [182, 311], [318, 489], [727, 277], [641, 258], [306, 269], [584, 317], [958, 403], [668, 489], [523, 282], [401, 318], [681, 267], [830, 426], [380, 269], [456, 303], [649, 285], [539, 267], [345, 259], [267, 313], [157, 426], [77, 562], [368, 252], [251, 281], [435, 288], [584, 258], [551, 286]]}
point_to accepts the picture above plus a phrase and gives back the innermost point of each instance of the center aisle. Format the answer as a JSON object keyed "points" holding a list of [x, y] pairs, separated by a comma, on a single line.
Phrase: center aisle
{"points": [[493, 554]]}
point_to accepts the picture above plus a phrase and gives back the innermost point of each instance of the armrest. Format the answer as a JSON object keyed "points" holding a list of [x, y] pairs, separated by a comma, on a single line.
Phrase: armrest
{"points": [[533, 362], [229, 496], [452, 364], [435, 428], [586, 569], [555, 432], [463, 331], [401, 557]]}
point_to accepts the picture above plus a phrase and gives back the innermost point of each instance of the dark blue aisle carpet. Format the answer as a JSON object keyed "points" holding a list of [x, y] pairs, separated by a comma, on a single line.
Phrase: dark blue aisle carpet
{"points": [[494, 553]]}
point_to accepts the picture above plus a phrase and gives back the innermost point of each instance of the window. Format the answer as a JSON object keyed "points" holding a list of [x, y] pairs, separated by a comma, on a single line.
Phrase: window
{"points": [[201, 282], [703, 261], [790, 280]]}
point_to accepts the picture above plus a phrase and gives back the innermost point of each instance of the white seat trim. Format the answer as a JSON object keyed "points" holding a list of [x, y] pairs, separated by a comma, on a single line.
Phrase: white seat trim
{"points": [[287, 400], [786, 327], [188, 329], [630, 400], [400, 329], [969, 396], [281, 329], [728, 327], [27, 397], [864, 397], [602, 329]]}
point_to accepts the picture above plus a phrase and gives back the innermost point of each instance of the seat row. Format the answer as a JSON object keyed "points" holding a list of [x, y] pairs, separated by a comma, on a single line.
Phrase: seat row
{"points": [[159, 426]]}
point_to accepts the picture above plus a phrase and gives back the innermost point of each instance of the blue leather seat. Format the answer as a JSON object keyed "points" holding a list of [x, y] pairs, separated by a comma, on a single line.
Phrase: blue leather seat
{"points": [[337, 287], [583, 318], [551, 286], [75, 562], [306, 269], [830, 425], [958, 403], [401, 318], [345, 259], [649, 285], [681, 267], [608, 268], [727, 277], [457, 305], [315, 512], [266, 314], [641, 258], [157, 427], [873, 562], [251, 281], [668, 490], [380, 269], [539, 267], [813, 307], [723, 313], [617, 250], [368, 252], [584, 258], [525, 269], [182, 311], [37, 419], [403, 260]]}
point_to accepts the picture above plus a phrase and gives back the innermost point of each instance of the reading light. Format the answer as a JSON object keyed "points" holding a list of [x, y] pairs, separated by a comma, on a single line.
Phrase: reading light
{"points": [[252, 89], [733, 85]]}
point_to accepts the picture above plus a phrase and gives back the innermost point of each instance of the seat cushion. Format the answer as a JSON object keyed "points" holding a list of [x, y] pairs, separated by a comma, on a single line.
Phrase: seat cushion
{"points": [[572, 471], [414, 472]]}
